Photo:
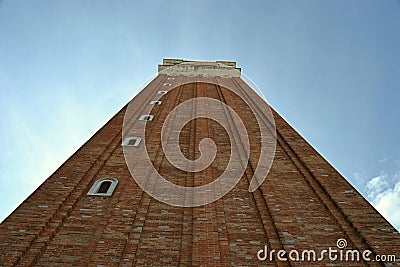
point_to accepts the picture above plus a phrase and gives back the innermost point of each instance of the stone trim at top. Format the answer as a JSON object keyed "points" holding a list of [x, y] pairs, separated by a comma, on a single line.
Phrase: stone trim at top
{"points": [[175, 67]]}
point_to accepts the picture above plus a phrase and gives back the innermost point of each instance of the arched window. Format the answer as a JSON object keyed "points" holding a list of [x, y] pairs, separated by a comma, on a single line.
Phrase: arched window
{"points": [[103, 187]]}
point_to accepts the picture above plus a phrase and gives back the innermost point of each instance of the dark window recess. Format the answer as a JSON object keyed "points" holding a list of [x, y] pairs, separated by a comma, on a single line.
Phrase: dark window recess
{"points": [[132, 142], [104, 187], [146, 118], [155, 102]]}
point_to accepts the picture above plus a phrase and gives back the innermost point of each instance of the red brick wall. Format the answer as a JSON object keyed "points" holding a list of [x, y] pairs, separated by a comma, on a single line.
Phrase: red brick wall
{"points": [[303, 204]]}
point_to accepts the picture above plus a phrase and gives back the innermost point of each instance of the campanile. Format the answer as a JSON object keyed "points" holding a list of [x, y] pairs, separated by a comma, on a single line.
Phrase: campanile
{"points": [[197, 170]]}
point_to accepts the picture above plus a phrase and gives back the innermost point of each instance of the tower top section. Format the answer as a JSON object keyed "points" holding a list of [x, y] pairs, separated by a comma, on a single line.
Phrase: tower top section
{"points": [[199, 68]]}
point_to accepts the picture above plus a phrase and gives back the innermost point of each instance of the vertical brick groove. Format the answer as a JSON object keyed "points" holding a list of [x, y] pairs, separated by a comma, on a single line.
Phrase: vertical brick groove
{"points": [[335, 211], [265, 217], [223, 245], [140, 221], [348, 229], [133, 120], [55, 223], [186, 245]]}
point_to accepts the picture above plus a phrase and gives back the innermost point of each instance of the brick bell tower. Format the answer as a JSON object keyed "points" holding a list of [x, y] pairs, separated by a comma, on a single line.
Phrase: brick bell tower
{"points": [[123, 199]]}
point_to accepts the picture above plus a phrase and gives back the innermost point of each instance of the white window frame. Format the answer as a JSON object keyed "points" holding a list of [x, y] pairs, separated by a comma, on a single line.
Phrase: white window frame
{"points": [[96, 186], [128, 139], [155, 102], [146, 117], [162, 92]]}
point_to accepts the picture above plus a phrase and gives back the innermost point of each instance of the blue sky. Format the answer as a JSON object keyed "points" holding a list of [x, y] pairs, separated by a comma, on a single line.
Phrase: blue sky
{"points": [[330, 68]]}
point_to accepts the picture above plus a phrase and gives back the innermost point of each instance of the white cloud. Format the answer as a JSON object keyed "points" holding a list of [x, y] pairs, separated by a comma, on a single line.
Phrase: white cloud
{"points": [[377, 185], [383, 192], [382, 160], [388, 203]]}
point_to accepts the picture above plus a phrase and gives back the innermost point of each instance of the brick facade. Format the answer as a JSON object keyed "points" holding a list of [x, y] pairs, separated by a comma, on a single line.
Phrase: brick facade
{"points": [[303, 204]]}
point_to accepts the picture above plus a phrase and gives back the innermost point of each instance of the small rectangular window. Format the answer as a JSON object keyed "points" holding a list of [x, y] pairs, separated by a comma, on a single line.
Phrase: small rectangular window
{"points": [[146, 118], [132, 141], [155, 102], [161, 92]]}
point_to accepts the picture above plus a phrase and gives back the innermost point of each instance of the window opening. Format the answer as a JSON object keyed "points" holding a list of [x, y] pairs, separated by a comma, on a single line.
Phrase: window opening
{"points": [[146, 118], [104, 187], [131, 141]]}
